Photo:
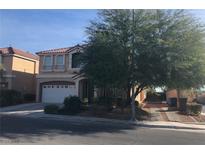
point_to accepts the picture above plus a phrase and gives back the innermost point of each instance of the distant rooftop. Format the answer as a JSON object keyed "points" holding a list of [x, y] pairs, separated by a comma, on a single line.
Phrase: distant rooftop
{"points": [[11, 50]]}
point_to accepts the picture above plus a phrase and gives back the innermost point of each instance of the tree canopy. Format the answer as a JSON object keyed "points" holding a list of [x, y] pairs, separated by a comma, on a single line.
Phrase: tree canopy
{"points": [[137, 49]]}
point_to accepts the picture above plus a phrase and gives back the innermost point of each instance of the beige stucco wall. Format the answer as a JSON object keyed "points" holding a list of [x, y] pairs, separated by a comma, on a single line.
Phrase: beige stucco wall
{"points": [[23, 65], [20, 73], [24, 82], [37, 67], [183, 93], [25, 71]]}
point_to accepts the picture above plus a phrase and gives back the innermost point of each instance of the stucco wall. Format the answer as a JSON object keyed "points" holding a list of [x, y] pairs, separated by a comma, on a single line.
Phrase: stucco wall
{"points": [[183, 93], [23, 65], [24, 82], [20, 73]]}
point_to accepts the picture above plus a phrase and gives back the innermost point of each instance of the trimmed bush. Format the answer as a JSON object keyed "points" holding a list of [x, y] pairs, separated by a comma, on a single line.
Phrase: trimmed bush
{"points": [[10, 97], [51, 109], [72, 104], [29, 97], [194, 109]]}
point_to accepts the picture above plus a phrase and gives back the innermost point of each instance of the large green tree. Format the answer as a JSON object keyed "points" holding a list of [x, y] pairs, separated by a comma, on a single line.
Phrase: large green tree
{"points": [[137, 49]]}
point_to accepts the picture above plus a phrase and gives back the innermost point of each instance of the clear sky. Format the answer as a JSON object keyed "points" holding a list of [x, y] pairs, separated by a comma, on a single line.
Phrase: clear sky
{"points": [[36, 30]]}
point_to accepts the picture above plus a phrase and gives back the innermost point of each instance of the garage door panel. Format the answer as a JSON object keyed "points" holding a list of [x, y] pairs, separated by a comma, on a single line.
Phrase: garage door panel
{"points": [[57, 93]]}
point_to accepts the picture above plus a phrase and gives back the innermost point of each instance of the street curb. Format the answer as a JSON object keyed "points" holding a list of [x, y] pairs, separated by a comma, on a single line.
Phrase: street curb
{"points": [[172, 126]]}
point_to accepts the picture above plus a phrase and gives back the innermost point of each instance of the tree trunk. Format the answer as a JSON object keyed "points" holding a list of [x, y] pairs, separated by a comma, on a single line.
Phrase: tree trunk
{"points": [[133, 105], [128, 95], [178, 97]]}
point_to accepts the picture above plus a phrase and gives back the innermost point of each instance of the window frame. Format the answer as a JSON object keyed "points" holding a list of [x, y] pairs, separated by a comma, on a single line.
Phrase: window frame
{"points": [[56, 56], [62, 66], [51, 64]]}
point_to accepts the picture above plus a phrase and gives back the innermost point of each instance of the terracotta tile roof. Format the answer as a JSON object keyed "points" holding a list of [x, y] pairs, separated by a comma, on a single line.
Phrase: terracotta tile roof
{"points": [[11, 50], [60, 50]]}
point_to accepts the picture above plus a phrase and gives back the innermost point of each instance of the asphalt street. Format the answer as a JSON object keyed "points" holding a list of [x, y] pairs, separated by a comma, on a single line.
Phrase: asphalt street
{"points": [[22, 130]]}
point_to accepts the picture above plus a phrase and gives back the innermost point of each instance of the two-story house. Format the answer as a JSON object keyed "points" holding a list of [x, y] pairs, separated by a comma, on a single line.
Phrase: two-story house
{"points": [[59, 75], [18, 70]]}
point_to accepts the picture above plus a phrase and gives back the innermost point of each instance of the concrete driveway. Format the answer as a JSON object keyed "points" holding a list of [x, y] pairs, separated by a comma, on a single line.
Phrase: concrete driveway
{"points": [[30, 109]]}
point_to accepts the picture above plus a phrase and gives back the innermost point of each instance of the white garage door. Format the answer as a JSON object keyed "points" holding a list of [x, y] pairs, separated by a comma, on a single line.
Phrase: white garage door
{"points": [[57, 93]]}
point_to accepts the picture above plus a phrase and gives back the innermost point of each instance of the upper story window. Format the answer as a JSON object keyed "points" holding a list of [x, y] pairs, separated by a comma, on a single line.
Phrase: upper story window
{"points": [[76, 63], [59, 62], [47, 63]]}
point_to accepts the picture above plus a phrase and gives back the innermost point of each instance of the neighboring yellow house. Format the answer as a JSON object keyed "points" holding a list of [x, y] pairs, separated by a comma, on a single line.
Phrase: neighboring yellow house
{"points": [[20, 69]]}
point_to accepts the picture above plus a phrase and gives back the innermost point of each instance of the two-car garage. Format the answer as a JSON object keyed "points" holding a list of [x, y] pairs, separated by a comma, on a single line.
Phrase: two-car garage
{"points": [[56, 92]]}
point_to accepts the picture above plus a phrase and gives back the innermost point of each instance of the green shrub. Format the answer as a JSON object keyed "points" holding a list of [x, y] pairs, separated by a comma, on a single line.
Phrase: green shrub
{"points": [[72, 104], [194, 109], [51, 109], [29, 97], [10, 97]]}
